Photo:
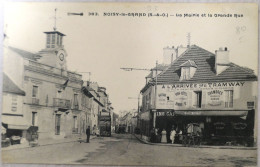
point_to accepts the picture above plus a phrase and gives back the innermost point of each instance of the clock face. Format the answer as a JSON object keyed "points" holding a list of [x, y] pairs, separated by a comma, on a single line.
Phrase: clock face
{"points": [[61, 56]]}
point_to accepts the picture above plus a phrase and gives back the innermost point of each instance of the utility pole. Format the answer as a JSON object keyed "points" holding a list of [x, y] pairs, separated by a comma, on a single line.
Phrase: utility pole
{"points": [[131, 69], [155, 92], [155, 98]]}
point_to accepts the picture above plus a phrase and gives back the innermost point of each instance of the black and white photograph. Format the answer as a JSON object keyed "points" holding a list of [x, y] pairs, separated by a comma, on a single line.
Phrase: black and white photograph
{"points": [[129, 84]]}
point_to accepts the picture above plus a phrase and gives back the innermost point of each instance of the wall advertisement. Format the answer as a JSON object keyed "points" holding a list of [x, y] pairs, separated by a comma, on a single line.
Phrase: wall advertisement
{"points": [[182, 96]]}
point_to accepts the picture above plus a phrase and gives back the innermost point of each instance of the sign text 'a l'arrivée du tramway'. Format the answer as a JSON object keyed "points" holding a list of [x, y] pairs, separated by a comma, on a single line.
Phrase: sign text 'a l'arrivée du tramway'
{"points": [[203, 85]]}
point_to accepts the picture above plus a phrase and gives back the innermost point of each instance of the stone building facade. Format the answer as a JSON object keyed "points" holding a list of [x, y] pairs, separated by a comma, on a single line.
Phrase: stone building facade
{"points": [[204, 88], [53, 94]]}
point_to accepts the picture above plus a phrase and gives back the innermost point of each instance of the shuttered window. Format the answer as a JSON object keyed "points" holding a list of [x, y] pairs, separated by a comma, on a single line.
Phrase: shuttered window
{"points": [[35, 91], [34, 118], [228, 98], [198, 99]]}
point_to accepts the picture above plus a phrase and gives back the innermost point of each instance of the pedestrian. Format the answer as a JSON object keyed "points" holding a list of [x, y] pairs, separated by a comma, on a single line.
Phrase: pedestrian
{"points": [[164, 139], [172, 136], [88, 134], [152, 139]]}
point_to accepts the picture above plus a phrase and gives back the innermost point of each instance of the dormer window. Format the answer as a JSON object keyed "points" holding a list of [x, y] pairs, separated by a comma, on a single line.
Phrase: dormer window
{"points": [[188, 69], [185, 73]]}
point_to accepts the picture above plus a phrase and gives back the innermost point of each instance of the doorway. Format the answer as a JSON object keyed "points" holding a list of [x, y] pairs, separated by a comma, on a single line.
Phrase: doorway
{"points": [[57, 124]]}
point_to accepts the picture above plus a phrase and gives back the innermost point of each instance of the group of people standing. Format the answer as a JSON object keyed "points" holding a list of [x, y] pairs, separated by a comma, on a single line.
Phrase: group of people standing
{"points": [[161, 137]]}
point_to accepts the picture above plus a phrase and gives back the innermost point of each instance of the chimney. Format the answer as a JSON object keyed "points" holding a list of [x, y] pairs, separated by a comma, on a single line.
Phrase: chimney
{"points": [[181, 49], [221, 60], [169, 55]]}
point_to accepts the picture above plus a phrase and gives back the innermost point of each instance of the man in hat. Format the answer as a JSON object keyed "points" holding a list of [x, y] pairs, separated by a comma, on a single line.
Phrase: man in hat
{"points": [[88, 134]]}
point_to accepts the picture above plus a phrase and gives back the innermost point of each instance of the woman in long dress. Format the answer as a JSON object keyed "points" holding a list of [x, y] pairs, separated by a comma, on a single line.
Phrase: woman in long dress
{"points": [[164, 139], [172, 136]]}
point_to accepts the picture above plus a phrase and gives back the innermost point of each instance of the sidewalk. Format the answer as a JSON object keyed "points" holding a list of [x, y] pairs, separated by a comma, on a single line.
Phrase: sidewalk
{"points": [[49, 141], [201, 146]]}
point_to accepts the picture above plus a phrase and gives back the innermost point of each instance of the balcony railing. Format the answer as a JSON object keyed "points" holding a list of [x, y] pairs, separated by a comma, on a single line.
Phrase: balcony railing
{"points": [[61, 103], [35, 101], [33, 65]]}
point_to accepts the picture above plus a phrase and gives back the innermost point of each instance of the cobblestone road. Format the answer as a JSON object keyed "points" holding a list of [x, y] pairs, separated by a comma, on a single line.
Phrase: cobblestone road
{"points": [[127, 150]]}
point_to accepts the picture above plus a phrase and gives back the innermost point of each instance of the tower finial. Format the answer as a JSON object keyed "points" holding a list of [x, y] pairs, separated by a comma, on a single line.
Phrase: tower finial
{"points": [[188, 39], [55, 19]]}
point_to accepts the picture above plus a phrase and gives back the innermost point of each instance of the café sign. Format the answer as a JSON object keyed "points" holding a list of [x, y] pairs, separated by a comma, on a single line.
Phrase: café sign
{"points": [[164, 113]]}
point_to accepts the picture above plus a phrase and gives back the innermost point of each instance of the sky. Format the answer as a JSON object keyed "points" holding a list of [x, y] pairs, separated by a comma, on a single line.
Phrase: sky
{"points": [[103, 44]]}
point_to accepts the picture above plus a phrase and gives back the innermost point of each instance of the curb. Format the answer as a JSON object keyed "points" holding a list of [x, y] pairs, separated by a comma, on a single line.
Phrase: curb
{"points": [[202, 146], [76, 140]]}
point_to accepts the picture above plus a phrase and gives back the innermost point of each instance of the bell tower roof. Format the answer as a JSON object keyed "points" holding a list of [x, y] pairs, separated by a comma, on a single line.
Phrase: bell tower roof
{"points": [[53, 32]]}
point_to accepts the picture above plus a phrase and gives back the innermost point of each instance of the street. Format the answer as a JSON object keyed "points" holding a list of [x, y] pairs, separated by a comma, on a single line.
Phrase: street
{"points": [[125, 149]]}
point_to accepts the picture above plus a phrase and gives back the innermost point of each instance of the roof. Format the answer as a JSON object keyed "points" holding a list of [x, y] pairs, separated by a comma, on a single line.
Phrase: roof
{"points": [[189, 63], [205, 62], [91, 93], [10, 87], [52, 32], [26, 54], [160, 67]]}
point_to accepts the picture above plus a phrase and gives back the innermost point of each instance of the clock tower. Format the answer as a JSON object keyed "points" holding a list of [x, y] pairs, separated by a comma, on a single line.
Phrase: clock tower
{"points": [[54, 53]]}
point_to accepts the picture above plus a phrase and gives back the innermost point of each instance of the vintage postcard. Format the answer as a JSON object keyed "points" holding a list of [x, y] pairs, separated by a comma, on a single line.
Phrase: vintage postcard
{"points": [[142, 84]]}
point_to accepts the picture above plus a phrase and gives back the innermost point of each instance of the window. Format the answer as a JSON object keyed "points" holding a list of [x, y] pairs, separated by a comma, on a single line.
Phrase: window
{"points": [[58, 40], [34, 118], [228, 98], [76, 104], [35, 91], [53, 41], [147, 101], [75, 124], [57, 124], [185, 73], [198, 99], [48, 40], [14, 103]]}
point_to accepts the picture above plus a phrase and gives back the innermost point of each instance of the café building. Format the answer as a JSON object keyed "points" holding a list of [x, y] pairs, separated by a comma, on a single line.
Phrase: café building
{"points": [[207, 89]]}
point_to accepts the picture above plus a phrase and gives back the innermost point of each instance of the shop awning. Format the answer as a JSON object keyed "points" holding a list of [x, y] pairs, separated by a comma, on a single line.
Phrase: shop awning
{"points": [[210, 113], [15, 122]]}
